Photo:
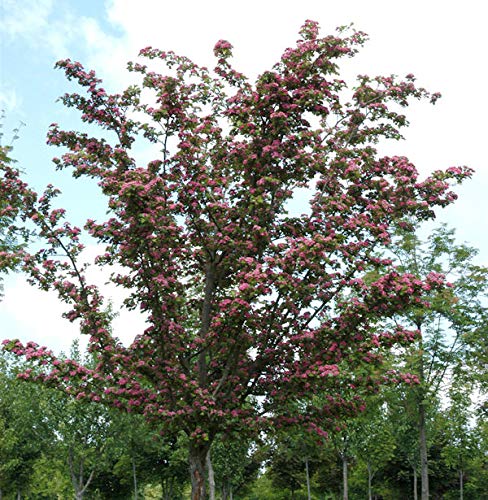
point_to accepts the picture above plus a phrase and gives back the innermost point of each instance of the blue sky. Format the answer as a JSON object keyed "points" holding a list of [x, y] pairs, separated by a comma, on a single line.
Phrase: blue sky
{"points": [[442, 42]]}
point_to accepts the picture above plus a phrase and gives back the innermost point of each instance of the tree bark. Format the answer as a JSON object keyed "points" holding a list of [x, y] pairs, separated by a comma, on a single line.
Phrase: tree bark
{"points": [[461, 484], [309, 497], [197, 458], [415, 488], [370, 480], [134, 478], [424, 464], [211, 477], [167, 488], [345, 488]]}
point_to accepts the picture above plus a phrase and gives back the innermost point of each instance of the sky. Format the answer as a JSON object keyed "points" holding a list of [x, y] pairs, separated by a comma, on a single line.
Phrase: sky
{"points": [[442, 42]]}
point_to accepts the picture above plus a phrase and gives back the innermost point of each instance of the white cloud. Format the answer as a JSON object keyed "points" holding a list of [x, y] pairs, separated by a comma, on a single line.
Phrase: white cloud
{"points": [[25, 18], [36, 22]]}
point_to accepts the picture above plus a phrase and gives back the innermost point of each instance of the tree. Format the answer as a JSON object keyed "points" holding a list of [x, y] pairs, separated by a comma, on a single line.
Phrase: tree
{"points": [[465, 448], [235, 464], [402, 410], [8, 242], [54, 446], [142, 456], [24, 431], [242, 298], [374, 444], [451, 324], [294, 458], [84, 432]]}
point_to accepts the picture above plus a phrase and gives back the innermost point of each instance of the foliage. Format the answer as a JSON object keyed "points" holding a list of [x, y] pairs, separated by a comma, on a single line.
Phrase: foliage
{"points": [[236, 462], [287, 463], [453, 320], [24, 430], [450, 325], [46, 436]]}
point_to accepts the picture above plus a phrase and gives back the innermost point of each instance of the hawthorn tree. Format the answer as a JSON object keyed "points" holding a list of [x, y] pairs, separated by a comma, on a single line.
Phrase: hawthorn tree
{"points": [[248, 305], [8, 244]]}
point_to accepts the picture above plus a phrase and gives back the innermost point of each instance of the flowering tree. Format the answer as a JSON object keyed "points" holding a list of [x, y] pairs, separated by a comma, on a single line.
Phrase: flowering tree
{"points": [[9, 247], [247, 305]]}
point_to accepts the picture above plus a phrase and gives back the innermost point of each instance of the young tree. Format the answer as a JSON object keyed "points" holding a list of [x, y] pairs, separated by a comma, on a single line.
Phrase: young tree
{"points": [[24, 431], [451, 326], [402, 411], [141, 456], [459, 429], [235, 464], [84, 433], [293, 459], [242, 298], [375, 444]]}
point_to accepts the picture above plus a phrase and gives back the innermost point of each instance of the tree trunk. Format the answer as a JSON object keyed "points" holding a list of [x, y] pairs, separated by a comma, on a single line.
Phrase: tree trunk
{"points": [[211, 477], [345, 488], [18, 494], [197, 458], [461, 484], [77, 479], [370, 480], [167, 488], [227, 490], [424, 464], [134, 478], [309, 497], [415, 488]]}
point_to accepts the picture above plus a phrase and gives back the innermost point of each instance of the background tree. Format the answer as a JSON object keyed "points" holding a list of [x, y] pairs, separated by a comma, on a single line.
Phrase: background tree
{"points": [[450, 327], [403, 470], [47, 437], [242, 298], [25, 431], [143, 457], [462, 433], [294, 458], [84, 435], [375, 444], [236, 461]]}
